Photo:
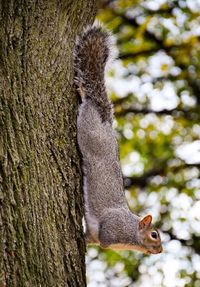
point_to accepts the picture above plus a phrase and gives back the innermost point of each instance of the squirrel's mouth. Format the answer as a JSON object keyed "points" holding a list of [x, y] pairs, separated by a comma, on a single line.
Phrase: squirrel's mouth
{"points": [[155, 251]]}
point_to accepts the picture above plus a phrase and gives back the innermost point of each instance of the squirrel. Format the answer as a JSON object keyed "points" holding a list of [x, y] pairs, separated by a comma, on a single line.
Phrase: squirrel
{"points": [[109, 221]]}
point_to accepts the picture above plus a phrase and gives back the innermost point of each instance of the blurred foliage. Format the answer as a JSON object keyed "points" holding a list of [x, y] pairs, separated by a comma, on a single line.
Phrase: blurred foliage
{"points": [[155, 87]]}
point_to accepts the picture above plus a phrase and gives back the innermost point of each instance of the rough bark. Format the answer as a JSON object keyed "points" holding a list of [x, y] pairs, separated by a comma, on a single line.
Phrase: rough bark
{"points": [[41, 237]]}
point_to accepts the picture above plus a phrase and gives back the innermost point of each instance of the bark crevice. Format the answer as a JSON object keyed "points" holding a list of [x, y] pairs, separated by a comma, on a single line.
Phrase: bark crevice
{"points": [[41, 204]]}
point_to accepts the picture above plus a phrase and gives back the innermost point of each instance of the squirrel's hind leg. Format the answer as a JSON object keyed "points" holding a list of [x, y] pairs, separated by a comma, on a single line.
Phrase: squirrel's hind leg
{"points": [[92, 230]]}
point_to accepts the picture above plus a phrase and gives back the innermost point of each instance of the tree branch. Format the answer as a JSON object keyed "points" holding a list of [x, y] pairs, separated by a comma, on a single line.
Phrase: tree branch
{"points": [[189, 114], [143, 181], [160, 45]]}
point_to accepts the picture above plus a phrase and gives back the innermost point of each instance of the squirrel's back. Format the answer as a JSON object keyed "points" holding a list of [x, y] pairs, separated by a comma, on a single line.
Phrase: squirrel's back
{"points": [[109, 222], [92, 52]]}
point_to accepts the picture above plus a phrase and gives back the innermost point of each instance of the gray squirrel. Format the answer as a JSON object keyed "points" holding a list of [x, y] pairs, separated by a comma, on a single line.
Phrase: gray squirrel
{"points": [[109, 221]]}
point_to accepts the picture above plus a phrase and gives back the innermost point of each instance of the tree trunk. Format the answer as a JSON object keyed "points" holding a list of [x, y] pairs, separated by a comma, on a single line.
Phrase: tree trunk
{"points": [[41, 237]]}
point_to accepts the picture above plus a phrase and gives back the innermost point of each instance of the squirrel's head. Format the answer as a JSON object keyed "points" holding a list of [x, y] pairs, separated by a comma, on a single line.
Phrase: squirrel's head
{"points": [[149, 236]]}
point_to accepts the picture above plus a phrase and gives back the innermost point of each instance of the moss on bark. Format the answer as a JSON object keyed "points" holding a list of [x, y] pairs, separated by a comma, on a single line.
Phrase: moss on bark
{"points": [[41, 237]]}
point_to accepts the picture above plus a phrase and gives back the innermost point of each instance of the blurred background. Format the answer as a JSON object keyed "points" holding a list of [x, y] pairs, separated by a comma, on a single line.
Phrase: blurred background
{"points": [[155, 87]]}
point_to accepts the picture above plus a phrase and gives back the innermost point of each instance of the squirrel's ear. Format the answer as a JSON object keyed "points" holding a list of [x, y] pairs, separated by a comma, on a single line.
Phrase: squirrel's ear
{"points": [[145, 222]]}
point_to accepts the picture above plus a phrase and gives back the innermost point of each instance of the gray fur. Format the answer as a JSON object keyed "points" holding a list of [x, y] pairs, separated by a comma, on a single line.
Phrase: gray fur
{"points": [[91, 56], [109, 222]]}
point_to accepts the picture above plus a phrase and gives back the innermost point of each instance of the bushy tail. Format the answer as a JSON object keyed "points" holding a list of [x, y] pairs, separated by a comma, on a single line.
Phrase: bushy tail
{"points": [[92, 52]]}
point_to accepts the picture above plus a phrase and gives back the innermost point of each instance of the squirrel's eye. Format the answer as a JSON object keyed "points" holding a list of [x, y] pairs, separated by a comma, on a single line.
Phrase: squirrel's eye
{"points": [[154, 234]]}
